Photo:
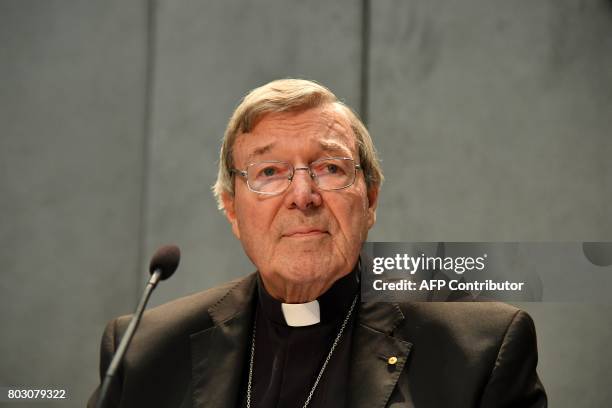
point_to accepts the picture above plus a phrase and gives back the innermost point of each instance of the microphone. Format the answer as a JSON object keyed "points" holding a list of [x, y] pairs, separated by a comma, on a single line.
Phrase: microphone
{"points": [[165, 261], [163, 264]]}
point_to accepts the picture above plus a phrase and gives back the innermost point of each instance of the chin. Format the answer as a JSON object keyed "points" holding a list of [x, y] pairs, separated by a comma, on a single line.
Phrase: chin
{"points": [[310, 268], [304, 276]]}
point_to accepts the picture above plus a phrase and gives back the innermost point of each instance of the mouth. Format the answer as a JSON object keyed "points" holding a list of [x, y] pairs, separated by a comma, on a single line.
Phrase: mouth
{"points": [[305, 233]]}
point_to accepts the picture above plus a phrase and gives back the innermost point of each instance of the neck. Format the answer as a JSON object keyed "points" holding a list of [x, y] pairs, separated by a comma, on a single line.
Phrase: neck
{"points": [[329, 307]]}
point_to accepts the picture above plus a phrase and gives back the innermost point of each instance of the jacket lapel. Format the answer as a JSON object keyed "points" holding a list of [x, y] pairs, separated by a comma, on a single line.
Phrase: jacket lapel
{"points": [[372, 377], [218, 353]]}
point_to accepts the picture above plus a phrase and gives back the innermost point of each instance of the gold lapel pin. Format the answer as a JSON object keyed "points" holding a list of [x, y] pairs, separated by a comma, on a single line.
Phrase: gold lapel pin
{"points": [[392, 360]]}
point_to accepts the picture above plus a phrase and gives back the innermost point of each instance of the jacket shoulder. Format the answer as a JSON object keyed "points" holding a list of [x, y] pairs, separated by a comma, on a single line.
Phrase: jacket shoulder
{"points": [[474, 330], [487, 350], [188, 313], [161, 345], [478, 318]]}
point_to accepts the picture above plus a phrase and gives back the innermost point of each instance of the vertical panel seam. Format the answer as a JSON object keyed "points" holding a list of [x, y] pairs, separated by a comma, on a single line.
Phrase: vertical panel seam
{"points": [[364, 80], [149, 79]]}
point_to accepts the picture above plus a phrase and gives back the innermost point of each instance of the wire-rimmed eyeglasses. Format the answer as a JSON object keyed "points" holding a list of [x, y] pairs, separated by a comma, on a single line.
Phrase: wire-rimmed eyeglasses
{"points": [[274, 177]]}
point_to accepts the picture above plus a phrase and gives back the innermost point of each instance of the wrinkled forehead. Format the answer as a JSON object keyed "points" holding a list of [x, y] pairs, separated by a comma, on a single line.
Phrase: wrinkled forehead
{"points": [[322, 130]]}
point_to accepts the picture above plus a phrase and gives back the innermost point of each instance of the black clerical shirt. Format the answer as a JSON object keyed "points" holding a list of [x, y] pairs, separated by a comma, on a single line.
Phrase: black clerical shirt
{"points": [[288, 359]]}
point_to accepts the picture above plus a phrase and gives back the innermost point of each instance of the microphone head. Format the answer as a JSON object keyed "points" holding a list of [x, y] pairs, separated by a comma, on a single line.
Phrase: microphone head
{"points": [[166, 259]]}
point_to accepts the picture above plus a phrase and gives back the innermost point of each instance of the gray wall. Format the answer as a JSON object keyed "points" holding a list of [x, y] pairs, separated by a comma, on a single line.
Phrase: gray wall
{"points": [[71, 120], [492, 118]]}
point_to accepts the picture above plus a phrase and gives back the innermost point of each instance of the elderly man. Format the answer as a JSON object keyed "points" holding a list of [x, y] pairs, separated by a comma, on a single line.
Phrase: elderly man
{"points": [[299, 181]]}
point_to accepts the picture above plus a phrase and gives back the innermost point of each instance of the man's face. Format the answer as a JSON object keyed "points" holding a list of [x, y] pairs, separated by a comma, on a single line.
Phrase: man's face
{"points": [[303, 237]]}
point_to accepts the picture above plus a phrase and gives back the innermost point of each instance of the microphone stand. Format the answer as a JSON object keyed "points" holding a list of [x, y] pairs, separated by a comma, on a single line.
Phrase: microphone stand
{"points": [[127, 337]]}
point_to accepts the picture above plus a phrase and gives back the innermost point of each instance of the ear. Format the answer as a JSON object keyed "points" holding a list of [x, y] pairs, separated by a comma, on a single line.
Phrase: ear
{"points": [[230, 212], [372, 204]]}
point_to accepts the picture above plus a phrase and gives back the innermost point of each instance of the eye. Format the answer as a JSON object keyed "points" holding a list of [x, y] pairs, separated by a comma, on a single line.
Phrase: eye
{"points": [[332, 168], [329, 167], [269, 171]]}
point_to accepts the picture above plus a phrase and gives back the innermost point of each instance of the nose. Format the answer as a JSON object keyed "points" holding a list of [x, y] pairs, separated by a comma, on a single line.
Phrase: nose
{"points": [[303, 192]]}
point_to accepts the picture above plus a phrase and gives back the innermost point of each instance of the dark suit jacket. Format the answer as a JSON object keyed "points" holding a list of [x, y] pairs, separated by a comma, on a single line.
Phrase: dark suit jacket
{"points": [[192, 352]]}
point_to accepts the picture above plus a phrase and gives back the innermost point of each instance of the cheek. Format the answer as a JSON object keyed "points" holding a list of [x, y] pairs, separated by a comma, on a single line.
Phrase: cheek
{"points": [[254, 220], [352, 216], [247, 220]]}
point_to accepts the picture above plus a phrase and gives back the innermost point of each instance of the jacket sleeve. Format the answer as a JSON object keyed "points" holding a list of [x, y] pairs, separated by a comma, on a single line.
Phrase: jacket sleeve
{"points": [[514, 381], [107, 350]]}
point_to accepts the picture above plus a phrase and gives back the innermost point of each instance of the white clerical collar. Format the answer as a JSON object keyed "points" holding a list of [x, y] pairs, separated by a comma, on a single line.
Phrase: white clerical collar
{"points": [[301, 314]]}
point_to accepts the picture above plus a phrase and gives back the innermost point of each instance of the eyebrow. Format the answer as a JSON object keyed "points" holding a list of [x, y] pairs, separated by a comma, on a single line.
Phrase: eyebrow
{"points": [[330, 146], [259, 151], [326, 146]]}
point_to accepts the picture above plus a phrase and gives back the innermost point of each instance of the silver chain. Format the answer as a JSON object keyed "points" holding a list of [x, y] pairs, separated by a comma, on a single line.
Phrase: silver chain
{"points": [[329, 355]]}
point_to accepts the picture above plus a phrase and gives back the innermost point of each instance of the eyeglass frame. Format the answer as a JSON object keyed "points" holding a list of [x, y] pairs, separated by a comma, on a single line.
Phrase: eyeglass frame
{"points": [[244, 173]]}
